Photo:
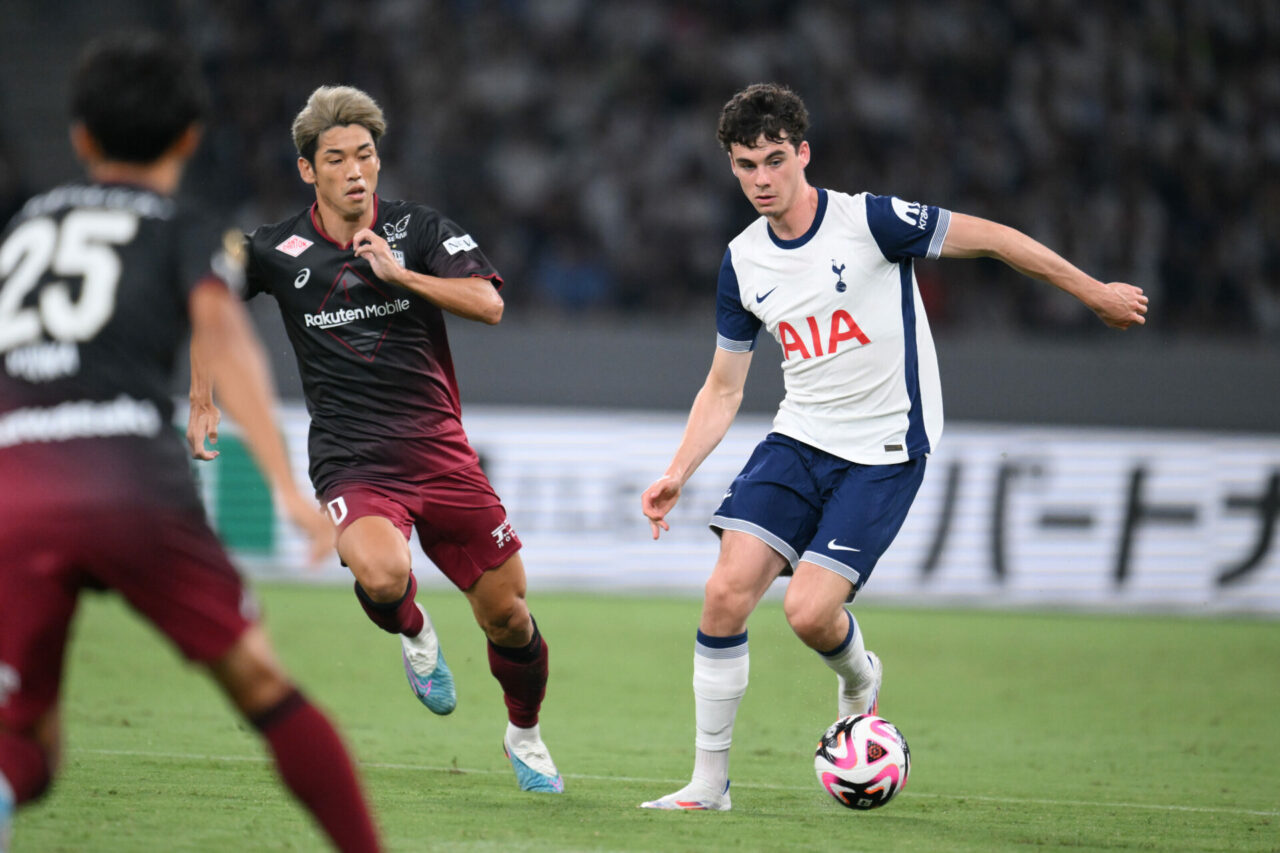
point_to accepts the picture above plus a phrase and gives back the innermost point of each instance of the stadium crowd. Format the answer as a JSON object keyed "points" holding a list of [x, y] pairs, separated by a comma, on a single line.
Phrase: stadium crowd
{"points": [[576, 139]]}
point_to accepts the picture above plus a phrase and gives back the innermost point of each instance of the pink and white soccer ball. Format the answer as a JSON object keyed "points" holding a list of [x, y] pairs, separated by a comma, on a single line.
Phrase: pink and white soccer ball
{"points": [[863, 761]]}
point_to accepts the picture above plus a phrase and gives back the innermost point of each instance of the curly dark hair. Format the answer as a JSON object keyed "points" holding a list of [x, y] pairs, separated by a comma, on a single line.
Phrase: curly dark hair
{"points": [[770, 109]]}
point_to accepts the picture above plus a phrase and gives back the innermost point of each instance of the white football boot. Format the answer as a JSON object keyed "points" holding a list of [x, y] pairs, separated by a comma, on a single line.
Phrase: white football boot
{"points": [[530, 758], [428, 674], [697, 796]]}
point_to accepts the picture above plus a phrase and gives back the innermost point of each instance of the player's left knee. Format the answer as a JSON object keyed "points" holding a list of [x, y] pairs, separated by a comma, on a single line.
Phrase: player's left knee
{"points": [[809, 620], [507, 623]]}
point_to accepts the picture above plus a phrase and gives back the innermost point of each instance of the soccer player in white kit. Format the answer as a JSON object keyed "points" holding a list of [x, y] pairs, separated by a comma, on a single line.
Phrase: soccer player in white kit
{"points": [[824, 494]]}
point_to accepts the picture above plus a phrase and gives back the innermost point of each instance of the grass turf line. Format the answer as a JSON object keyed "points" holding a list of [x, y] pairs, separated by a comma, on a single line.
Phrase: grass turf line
{"points": [[1027, 730]]}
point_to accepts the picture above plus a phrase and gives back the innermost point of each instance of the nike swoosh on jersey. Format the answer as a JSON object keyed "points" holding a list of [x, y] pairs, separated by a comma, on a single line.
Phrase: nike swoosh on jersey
{"points": [[834, 547], [760, 298]]}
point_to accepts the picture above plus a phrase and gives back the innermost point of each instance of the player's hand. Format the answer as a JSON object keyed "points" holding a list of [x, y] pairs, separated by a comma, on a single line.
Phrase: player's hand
{"points": [[202, 423], [314, 523], [1121, 305], [370, 246], [658, 500]]}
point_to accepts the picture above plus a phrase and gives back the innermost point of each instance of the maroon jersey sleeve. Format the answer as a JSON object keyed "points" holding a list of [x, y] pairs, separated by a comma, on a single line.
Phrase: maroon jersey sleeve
{"points": [[448, 251]]}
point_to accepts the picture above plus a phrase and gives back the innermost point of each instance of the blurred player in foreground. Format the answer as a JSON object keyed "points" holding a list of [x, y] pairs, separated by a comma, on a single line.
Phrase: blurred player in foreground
{"points": [[830, 276], [100, 283], [362, 284]]}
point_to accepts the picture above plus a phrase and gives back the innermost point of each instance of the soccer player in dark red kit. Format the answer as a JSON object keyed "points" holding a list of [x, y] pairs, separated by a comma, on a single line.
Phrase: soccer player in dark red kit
{"points": [[362, 284], [100, 283]]}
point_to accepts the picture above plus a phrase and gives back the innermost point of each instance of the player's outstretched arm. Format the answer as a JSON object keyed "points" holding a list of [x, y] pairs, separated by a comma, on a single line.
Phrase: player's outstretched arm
{"points": [[710, 417], [224, 346], [470, 298], [1118, 304]]}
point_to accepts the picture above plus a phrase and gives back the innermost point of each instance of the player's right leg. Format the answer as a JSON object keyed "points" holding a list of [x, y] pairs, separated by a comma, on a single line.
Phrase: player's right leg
{"points": [[28, 762], [721, 664], [308, 752], [373, 544], [172, 569], [39, 583]]}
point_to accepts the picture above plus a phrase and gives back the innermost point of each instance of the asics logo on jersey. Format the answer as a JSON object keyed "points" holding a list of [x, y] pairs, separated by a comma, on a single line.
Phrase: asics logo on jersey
{"points": [[761, 297], [834, 547], [841, 328], [911, 212], [839, 271], [294, 246], [302, 278], [398, 231]]}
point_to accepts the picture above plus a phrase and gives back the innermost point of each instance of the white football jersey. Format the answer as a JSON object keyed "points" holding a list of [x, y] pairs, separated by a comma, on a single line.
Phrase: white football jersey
{"points": [[858, 361]]}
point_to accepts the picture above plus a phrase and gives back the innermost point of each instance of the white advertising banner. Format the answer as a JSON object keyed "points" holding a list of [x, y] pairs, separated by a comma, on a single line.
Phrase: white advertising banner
{"points": [[1017, 515]]}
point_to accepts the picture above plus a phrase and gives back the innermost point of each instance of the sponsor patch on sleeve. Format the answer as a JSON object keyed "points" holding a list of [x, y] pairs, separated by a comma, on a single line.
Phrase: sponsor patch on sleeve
{"points": [[294, 246], [454, 245]]}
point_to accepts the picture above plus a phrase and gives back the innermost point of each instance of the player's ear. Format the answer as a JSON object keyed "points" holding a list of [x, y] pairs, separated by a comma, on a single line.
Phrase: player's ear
{"points": [[83, 144], [306, 170], [803, 153], [188, 142]]}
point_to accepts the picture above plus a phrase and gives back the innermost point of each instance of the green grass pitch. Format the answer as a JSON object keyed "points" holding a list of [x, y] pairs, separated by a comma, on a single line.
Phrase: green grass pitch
{"points": [[1027, 731]]}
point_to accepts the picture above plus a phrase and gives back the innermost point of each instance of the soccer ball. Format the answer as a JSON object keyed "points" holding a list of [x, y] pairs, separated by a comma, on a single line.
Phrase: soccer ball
{"points": [[863, 761]]}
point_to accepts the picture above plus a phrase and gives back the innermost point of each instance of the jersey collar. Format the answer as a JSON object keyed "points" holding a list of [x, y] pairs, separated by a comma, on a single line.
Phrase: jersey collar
{"points": [[315, 222], [806, 236]]}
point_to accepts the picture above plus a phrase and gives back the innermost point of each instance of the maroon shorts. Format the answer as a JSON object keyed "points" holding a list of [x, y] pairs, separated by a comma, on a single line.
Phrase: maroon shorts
{"points": [[169, 566], [461, 523]]}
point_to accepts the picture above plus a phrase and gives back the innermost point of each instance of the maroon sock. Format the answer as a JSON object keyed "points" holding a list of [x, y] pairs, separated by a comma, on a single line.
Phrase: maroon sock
{"points": [[394, 617], [522, 672], [25, 766], [316, 767]]}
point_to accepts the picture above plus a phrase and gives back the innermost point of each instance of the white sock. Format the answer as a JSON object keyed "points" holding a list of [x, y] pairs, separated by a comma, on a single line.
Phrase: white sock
{"points": [[515, 734], [849, 659], [427, 627], [720, 669], [711, 767]]}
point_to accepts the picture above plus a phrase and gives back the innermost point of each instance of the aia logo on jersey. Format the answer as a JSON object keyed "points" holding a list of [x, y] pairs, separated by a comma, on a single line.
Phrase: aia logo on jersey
{"points": [[841, 328], [398, 231], [911, 212], [294, 246]]}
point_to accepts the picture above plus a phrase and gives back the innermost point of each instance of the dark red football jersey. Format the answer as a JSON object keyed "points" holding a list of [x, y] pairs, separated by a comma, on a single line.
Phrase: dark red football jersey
{"points": [[94, 288], [374, 358]]}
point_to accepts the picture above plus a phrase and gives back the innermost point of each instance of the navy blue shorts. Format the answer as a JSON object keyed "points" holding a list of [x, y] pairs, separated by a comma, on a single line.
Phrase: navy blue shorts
{"points": [[809, 505]]}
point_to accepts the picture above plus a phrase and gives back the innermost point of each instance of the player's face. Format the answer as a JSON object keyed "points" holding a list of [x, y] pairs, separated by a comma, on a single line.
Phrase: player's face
{"points": [[345, 173], [771, 174]]}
